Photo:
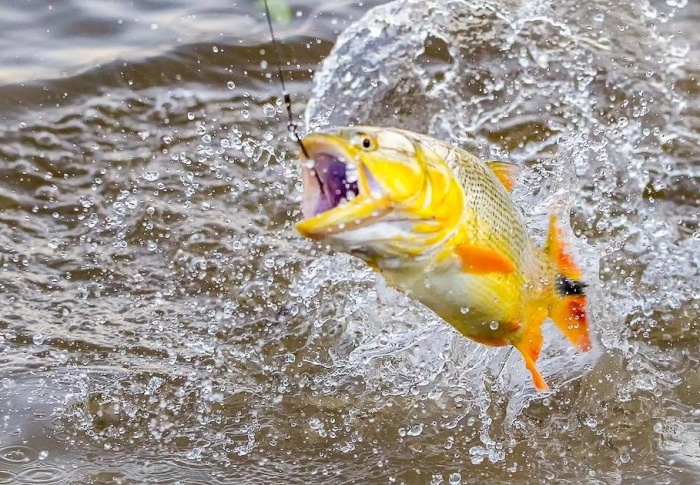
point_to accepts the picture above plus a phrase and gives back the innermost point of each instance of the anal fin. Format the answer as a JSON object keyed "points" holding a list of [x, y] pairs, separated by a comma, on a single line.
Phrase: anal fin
{"points": [[529, 345]]}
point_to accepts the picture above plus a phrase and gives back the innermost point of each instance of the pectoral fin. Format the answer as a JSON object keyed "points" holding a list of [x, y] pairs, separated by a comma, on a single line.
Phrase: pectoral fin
{"points": [[506, 172], [482, 261]]}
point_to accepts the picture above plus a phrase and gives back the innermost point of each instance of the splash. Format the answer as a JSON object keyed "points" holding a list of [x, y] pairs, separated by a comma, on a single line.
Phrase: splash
{"points": [[164, 321], [585, 100]]}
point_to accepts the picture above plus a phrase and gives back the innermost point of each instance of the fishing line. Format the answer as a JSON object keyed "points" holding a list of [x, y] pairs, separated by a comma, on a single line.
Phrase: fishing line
{"points": [[291, 126]]}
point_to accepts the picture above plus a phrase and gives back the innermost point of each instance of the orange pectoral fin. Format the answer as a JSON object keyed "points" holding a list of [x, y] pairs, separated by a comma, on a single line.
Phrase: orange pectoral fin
{"points": [[482, 261]]}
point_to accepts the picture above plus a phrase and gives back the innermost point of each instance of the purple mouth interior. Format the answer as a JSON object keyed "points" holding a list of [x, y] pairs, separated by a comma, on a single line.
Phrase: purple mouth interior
{"points": [[331, 173]]}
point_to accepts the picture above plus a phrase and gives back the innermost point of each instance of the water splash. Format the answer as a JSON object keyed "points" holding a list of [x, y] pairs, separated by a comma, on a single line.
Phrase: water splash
{"points": [[585, 99], [178, 327]]}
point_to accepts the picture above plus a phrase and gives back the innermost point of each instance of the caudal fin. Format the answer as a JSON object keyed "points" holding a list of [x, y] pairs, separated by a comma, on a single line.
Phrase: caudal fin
{"points": [[568, 306]]}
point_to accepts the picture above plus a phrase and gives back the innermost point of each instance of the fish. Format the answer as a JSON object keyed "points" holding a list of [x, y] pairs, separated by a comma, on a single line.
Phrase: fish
{"points": [[440, 226]]}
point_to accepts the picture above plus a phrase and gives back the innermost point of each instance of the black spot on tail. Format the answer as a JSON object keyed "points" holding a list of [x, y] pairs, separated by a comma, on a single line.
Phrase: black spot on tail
{"points": [[567, 287]]}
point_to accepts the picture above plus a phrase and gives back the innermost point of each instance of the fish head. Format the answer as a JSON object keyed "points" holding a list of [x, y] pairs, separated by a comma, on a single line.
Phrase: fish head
{"points": [[377, 192]]}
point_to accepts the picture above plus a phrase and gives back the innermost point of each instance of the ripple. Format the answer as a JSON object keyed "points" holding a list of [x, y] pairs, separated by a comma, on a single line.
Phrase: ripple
{"points": [[7, 477], [45, 474], [18, 454]]}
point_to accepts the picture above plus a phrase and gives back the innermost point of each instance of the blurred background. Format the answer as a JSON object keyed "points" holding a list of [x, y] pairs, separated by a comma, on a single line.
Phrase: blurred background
{"points": [[162, 322]]}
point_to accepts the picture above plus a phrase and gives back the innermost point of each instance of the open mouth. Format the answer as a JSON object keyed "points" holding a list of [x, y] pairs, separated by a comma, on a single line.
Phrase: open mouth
{"points": [[329, 181], [341, 194]]}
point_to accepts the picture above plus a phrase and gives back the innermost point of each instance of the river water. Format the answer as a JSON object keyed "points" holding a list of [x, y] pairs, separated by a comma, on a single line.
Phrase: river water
{"points": [[162, 322]]}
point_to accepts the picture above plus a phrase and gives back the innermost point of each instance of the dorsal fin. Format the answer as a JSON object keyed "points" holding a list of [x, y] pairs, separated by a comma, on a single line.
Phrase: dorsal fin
{"points": [[506, 172]]}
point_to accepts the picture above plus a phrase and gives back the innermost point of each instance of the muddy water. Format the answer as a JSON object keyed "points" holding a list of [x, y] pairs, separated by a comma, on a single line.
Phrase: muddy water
{"points": [[161, 321]]}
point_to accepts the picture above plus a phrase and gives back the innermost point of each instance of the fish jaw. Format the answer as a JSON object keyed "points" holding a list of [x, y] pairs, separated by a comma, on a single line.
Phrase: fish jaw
{"points": [[406, 202], [335, 202]]}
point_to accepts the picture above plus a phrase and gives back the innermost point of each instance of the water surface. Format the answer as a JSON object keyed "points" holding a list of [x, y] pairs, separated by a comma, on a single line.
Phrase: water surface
{"points": [[162, 320]]}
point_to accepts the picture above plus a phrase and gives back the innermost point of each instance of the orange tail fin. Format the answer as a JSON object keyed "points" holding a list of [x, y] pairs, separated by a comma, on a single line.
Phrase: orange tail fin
{"points": [[568, 306]]}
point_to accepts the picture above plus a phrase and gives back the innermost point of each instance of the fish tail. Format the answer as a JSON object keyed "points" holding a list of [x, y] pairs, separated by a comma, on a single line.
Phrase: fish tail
{"points": [[568, 305]]}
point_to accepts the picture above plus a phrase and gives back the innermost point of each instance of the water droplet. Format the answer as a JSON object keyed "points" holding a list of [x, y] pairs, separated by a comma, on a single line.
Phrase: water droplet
{"points": [[194, 454], [151, 176], [131, 202], [351, 173], [455, 478], [231, 85], [464, 310], [269, 111], [679, 47], [38, 339], [493, 325], [43, 454], [92, 220], [415, 430], [476, 455]]}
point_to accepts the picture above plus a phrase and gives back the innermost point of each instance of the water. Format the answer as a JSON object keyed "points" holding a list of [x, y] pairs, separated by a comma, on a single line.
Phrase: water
{"points": [[162, 321]]}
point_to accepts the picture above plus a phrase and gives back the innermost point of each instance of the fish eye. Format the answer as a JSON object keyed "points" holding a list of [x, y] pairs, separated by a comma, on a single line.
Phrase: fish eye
{"points": [[367, 142]]}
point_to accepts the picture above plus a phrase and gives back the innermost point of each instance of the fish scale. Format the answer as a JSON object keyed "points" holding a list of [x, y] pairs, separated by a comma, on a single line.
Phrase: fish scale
{"points": [[490, 215]]}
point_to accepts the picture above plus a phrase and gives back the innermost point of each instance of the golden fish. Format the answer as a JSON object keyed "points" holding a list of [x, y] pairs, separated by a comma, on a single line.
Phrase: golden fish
{"points": [[439, 225]]}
